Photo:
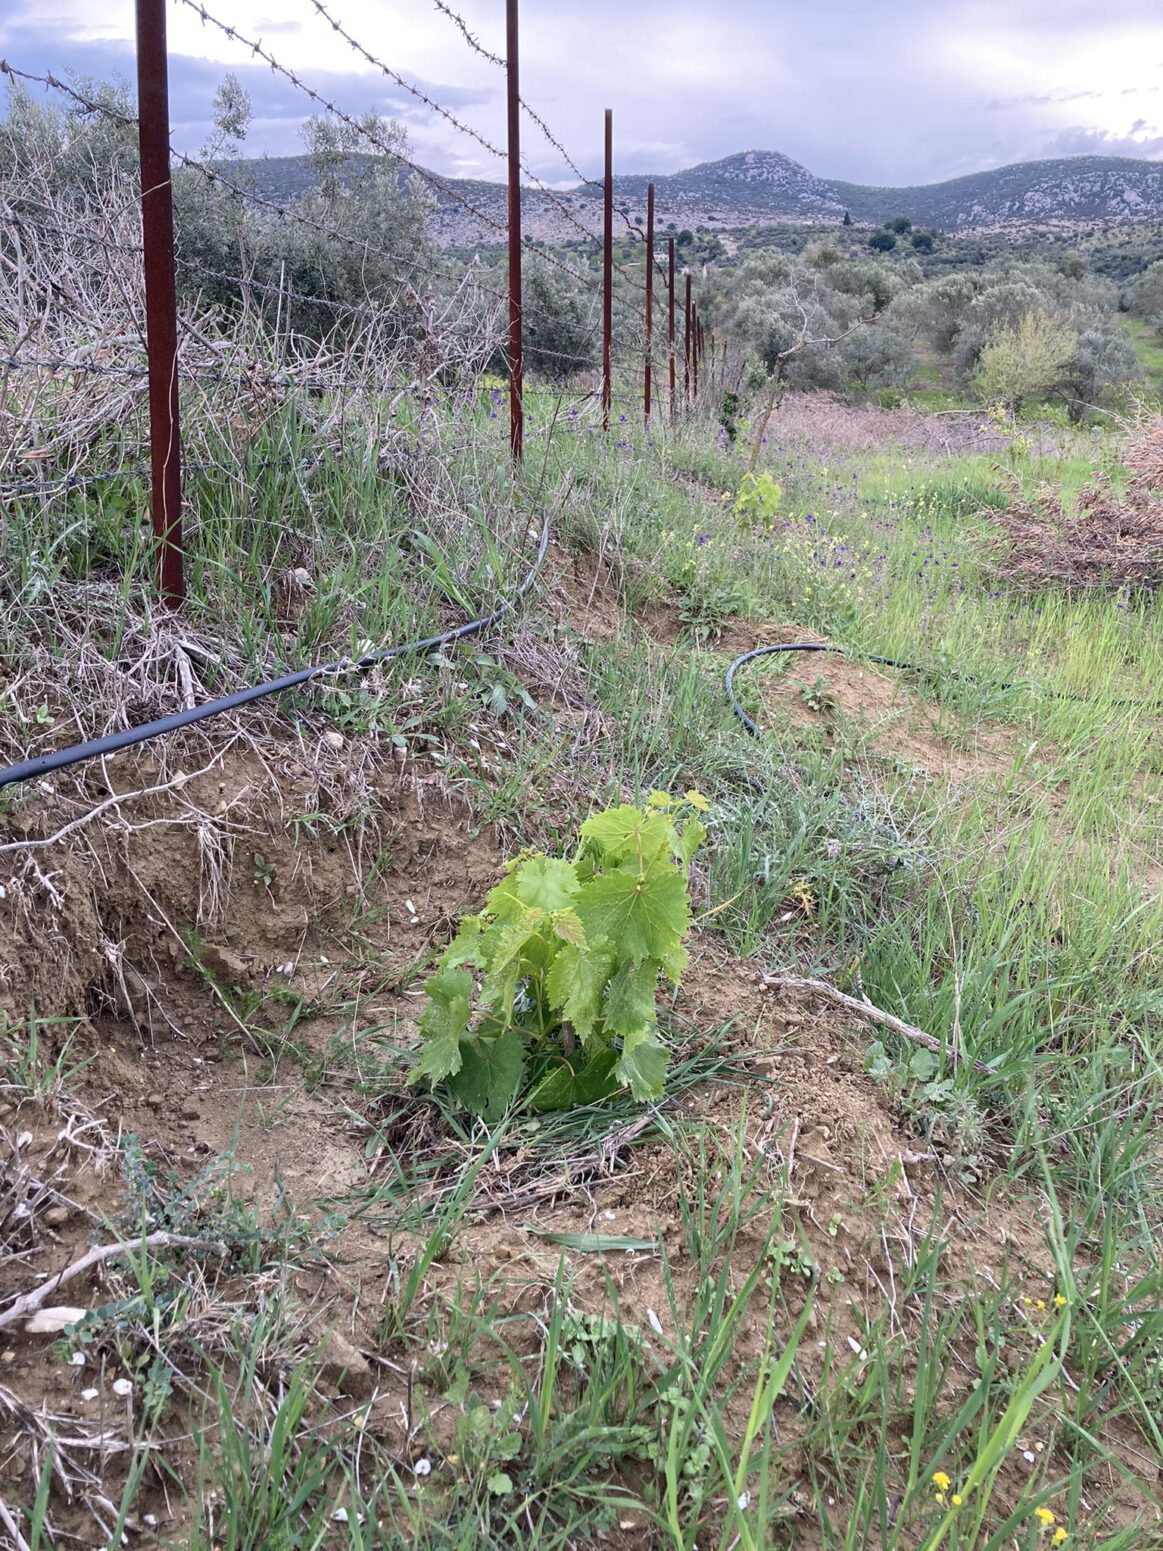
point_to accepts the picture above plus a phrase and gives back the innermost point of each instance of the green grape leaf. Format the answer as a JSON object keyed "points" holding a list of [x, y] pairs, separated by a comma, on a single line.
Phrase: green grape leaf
{"points": [[629, 1004], [562, 1087], [502, 900], [694, 832], [644, 916], [627, 831], [490, 1074], [466, 946], [511, 943], [547, 883], [642, 1066], [575, 983], [567, 925], [674, 962], [443, 1024]]}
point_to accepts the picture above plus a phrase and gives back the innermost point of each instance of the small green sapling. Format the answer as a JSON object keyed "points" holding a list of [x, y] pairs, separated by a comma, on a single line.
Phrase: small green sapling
{"points": [[551, 988]]}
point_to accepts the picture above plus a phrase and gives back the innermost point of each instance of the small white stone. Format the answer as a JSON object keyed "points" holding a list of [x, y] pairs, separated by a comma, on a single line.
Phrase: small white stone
{"points": [[89, 1394], [339, 1516], [1029, 1456], [333, 740], [77, 1360], [422, 1467], [743, 1501], [123, 1387]]}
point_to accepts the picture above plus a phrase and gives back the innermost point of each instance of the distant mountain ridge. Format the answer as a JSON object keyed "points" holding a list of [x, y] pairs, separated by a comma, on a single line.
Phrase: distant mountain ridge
{"points": [[757, 187], [1069, 188]]}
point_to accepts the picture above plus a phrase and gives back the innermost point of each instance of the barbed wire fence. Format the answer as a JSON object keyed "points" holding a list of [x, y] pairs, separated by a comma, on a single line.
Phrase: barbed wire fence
{"points": [[119, 340]]}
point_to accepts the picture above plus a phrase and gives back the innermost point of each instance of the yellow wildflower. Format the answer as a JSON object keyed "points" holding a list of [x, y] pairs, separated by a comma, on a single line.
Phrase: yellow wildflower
{"points": [[1059, 1301], [957, 1499], [1058, 1537], [1044, 1517], [941, 1481]]}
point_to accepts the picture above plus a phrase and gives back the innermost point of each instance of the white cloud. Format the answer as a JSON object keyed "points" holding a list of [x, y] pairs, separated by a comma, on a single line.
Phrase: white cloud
{"points": [[901, 93]]}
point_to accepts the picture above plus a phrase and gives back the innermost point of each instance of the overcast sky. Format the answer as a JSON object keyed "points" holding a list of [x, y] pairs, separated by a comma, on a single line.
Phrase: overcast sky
{"points": [[874, 91]]}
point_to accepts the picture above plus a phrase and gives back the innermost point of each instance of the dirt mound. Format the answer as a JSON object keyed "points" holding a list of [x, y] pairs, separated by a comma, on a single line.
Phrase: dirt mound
{"points": [[881, 711], [165, 883]]}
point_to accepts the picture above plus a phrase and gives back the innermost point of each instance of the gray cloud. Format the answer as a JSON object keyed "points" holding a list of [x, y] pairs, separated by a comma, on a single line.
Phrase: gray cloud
{"points": [[868, 92], [1080, 140]]}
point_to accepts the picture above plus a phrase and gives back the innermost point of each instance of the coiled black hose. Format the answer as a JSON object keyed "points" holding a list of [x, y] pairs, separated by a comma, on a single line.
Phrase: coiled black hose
{"points": [[811, 646], [889, 662], [60, 759]]}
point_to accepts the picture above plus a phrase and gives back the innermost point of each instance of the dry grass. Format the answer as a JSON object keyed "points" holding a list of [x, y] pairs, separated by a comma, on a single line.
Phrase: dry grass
{"points": [[1109, 540]]}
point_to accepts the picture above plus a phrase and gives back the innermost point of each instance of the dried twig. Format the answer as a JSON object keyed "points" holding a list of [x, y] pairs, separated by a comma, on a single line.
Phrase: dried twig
{"points": [[28, 1303], [12, 1527], [865, 1010]]}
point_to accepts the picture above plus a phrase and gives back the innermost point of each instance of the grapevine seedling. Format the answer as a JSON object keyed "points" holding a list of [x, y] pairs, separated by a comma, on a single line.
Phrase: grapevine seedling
{"points": [[551, 989]]}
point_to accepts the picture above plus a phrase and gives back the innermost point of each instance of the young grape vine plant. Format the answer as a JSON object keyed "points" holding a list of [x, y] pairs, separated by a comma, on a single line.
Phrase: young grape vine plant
{"points": [[550, 992]]}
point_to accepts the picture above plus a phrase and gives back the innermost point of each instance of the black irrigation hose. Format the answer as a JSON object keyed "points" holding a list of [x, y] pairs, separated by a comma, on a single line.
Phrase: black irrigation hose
{"points": [[60, 759], [887, 662]]}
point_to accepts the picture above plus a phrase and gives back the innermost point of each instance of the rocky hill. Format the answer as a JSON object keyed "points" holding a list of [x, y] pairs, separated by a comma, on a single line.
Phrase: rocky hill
{"points": [[1078, 188], [753, 188]]}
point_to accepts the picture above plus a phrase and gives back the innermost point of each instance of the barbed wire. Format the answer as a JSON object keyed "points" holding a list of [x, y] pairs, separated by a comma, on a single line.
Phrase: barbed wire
{"points": [[215, 176], [392, 152], [371, 310], [441, 185], [22, 218], [128, 120], [502, 64], [428, 264], [550, 194]]}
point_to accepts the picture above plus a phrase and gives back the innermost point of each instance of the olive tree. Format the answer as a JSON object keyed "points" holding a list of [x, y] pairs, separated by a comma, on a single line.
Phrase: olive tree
{"points": [[1024, 359]]}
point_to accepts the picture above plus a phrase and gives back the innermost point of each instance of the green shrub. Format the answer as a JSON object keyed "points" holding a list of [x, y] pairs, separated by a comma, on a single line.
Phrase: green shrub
{"points": [[568, 954]]}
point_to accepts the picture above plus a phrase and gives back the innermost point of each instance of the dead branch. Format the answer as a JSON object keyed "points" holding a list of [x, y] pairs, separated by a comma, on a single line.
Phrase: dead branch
{"points": [[866, 1010], [29, 1302]]}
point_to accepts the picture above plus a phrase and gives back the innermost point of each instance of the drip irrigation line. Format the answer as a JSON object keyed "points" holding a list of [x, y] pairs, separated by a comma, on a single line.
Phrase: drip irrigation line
{"points": [[893, 662], [113, 743]]}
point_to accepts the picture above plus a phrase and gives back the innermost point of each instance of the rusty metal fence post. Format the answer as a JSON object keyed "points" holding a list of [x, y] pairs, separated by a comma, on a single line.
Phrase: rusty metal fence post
{"points": [[649, 297], [686, 341], [695, 325], [161, 299], [670, 330], [608, 274], [516, 350]]}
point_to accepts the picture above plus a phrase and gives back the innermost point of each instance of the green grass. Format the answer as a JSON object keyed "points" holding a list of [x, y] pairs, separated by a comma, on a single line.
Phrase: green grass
{"points": [[1148, 349]]}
